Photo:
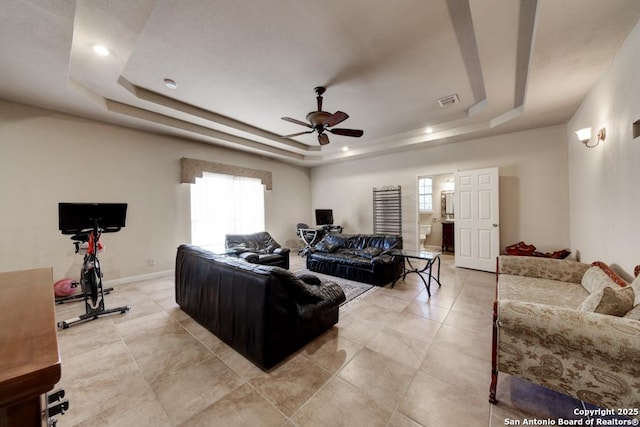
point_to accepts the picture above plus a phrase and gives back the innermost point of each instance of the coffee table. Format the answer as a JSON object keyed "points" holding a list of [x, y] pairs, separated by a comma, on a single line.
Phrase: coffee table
{"points": [[430, 258]]}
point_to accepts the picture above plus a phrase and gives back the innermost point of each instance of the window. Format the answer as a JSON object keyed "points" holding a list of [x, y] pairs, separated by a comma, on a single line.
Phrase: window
{"points": [[425, 194], [225, 204]]}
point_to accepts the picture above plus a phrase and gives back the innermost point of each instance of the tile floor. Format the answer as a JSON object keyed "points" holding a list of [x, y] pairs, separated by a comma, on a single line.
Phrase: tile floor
{"points": [[396, 358]]}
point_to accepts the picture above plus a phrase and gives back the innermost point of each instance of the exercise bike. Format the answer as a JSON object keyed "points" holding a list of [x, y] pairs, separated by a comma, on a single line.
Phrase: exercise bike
{"points": [[81, 243], [90, 274]]}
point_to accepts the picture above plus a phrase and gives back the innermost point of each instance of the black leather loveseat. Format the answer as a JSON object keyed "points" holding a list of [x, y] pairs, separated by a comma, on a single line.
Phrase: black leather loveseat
{"points": [[360, 257], [263, 312], [257, 248]]}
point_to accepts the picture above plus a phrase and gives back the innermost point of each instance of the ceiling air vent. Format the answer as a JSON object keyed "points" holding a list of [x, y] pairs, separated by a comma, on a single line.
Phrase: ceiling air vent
{"points": [[448, 100]]}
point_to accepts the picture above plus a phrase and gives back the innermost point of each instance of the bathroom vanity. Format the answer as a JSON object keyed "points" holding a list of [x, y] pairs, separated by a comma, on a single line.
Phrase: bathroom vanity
{"points": [[448, 237]]}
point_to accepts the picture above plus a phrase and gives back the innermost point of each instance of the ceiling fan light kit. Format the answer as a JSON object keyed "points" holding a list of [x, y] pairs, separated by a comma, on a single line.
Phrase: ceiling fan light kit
{"points": [[321, 121]]}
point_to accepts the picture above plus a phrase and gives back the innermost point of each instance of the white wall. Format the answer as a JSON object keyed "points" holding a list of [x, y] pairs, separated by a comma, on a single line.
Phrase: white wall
{"points": [[604, 181], [533, 184], [48, 157]]}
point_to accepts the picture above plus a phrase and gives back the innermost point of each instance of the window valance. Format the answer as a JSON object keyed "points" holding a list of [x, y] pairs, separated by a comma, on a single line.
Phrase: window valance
{"points": [[190, 169]]}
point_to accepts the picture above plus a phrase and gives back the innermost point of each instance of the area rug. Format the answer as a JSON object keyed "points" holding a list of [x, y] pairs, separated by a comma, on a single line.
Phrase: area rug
{"points": [[354, 291]]}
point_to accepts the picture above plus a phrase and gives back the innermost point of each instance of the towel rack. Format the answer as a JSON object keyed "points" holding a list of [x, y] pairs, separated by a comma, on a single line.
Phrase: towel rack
{"points": [[387, 210]]}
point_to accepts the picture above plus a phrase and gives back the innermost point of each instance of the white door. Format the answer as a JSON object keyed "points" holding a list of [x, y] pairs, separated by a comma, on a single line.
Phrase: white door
{"points": [[477, 231]]}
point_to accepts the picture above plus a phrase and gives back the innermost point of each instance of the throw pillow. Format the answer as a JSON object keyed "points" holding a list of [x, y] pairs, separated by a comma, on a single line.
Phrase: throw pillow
{"points": [[609, 272], [595, 279], [614, 302], [370, 252], [327, 247]]}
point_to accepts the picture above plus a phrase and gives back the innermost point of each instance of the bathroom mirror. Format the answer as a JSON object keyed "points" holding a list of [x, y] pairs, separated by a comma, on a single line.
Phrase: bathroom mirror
{"points": [[447, 205]]}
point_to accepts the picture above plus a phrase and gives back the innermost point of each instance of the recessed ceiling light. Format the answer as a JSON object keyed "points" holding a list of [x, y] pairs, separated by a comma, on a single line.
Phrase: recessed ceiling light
{"points": [[428, 130], [170, 84], [100, 50], [345, 148]]}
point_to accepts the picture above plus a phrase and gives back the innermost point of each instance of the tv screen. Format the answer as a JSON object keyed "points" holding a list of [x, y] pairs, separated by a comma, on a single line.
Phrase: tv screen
{"points": [[324, 216], [74, 217]]}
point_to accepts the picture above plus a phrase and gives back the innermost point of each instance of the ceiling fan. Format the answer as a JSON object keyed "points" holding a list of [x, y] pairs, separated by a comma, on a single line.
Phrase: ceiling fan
{"points": [[320, 121]]}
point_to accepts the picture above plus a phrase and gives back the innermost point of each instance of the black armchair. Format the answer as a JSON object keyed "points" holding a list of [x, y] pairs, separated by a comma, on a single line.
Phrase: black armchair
{"points": [[257, 248]]}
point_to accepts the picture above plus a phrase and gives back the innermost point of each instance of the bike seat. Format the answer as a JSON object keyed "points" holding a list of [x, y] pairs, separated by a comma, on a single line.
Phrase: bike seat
{"points": [[80, 237]]}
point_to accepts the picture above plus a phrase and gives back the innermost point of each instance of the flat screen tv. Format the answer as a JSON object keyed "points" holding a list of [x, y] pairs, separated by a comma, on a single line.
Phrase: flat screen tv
{"points": [[74, 217], [324, 216]]}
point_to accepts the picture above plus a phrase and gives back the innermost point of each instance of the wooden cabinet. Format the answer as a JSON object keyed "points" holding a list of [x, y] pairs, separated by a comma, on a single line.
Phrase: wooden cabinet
{"points": [[29, 359], [448, 237]]}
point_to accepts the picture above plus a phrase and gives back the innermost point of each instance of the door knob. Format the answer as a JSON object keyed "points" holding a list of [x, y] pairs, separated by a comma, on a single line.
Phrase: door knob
{"points": [[495, 225]]}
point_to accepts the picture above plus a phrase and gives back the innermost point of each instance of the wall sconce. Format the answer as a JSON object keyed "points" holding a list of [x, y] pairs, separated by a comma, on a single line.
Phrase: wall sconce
{"points": [[584, 136]]}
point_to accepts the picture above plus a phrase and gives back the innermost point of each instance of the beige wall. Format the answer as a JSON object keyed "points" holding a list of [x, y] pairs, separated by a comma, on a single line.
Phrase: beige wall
{"points": [[47, 157], [533, 184], [605, 180]]}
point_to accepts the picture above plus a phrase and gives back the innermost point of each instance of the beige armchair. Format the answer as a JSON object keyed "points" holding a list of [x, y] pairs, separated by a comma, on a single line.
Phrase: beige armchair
{"points": [[544, 333]]}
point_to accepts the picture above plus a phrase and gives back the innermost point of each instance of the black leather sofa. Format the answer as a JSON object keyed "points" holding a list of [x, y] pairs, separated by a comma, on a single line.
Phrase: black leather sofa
{"points": [[263, 312], [257, 248], [360, 257]]}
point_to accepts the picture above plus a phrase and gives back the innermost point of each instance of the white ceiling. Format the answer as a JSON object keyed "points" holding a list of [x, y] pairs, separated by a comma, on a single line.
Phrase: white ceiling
{"points": [[241, 65]]}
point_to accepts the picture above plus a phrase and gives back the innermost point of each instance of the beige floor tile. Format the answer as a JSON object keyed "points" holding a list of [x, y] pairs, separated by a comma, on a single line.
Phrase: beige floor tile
{"points": [[403, 290], [160, 357], [433, 402], [385, 300], [472, 344], [239, 364], [331, 350], [126, 294], [398, 419], [427, 310], [168, 302], [155, 323], [138, 310], [476, 298], [416, 326], [103, 391], [194, 386], [242, 407], [400, 347], [176, 313], [291, 384], [376, 313], [442, 298], [87, 336], [111, 359], [457, 368], [153, 286], [358, 329], [381, 378], [202, 334], [342, 404], [143, 411], [470, 320]]}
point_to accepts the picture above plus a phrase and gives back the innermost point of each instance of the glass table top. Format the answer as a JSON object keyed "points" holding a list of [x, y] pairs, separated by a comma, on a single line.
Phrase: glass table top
{"points": [[416, 254]]}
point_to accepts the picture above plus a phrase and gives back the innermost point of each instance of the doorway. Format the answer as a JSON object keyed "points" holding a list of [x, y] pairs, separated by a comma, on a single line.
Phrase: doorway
{"points": [[436, 212]]}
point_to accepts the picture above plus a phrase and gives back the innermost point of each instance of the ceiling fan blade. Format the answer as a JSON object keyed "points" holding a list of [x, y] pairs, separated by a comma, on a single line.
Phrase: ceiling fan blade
{"points": [[337, 117], [347, 132], [298, 122], [323, 139], [297, 134]]}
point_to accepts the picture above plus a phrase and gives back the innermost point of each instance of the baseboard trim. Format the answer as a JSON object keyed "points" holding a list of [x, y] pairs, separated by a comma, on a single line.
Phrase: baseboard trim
{"points": [[139, 278]]}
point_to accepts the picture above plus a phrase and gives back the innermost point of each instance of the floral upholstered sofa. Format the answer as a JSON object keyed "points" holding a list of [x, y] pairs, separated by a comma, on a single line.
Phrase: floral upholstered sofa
{"points": [[568, 326]]}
